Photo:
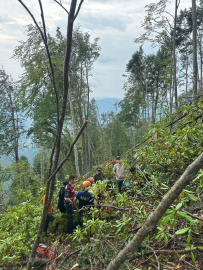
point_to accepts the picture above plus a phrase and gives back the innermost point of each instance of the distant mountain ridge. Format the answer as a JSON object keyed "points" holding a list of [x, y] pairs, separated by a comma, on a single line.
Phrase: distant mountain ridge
{"points": [[104, 105]]}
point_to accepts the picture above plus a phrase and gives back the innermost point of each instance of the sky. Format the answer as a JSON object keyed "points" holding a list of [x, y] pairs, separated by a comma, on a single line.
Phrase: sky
{"points": [[115, 22]]}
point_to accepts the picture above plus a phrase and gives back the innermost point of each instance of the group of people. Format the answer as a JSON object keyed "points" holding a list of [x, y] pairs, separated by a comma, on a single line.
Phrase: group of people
{"points": [[68, 200], [118, 171]]}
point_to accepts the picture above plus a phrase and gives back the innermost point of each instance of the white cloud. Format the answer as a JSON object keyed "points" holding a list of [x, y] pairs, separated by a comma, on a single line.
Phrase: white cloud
{"points": [[116, 22]]}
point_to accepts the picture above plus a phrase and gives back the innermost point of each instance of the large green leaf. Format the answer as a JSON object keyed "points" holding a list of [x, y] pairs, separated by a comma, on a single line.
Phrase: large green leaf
{"points": [[182, 231]]}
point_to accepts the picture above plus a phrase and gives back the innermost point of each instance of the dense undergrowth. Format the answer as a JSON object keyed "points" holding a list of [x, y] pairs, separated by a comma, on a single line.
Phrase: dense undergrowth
{"points": [[177, 241]]}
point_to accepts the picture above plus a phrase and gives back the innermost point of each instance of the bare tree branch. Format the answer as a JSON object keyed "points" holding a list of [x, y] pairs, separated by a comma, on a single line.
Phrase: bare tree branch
{"points": [[61, 6], [43, 21], [71, 255], [78, 10]]}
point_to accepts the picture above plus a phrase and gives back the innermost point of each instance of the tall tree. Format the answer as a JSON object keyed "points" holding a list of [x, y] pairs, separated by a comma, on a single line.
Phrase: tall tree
{"points": [[174, 56], [60, 112], [194, 30], [10, 118], [85, 52], [37, 92]]}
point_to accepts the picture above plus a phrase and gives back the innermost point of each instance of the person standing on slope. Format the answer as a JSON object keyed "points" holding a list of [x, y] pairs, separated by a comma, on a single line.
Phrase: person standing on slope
{"points": [[119, 171], [50, 217], [69, 196], [61, 195]]}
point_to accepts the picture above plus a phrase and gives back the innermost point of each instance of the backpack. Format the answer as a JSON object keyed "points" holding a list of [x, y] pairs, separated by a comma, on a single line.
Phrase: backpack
{"points": [[61, 193]]}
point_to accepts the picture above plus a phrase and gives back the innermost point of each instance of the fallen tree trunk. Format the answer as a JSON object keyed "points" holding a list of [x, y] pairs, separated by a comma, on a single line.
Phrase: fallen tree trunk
{"points": [[151, 222], [172, 252]]}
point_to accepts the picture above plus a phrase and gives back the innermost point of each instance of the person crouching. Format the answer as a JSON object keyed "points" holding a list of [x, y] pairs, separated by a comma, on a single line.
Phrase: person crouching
{"points": [[85, 198]]}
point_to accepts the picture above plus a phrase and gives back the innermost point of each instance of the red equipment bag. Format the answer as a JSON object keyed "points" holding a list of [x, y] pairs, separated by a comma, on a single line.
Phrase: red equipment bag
{"points": [[43, 251]]}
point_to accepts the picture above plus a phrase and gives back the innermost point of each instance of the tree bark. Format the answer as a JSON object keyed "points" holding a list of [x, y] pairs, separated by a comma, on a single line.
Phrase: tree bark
{"points": [[194, 28], [152, 220], [153, 108], [171, 78], [200, 45], [174, 56], [186, 74], [14, 127], [74, 133]]}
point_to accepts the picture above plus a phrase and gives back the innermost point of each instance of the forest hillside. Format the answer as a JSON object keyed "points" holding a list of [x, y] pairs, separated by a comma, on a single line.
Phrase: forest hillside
{"points": [[118, 188], [158, 161]]}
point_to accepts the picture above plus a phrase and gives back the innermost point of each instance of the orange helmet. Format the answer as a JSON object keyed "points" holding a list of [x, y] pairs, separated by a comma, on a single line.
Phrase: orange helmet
{"points": [[91, 180], [86, 184]]}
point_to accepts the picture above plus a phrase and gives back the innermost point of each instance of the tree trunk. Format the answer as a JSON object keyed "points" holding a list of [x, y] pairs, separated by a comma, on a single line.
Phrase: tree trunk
{"points": [[200, 45], [153, 114], [42, 162], [143, 128], [87, 150], [199, 68], [174, 56], [57, 144], [171, 78], [152, 220], [186, 74], [102, 136], [194, 28], [74, 133], [14, 128], [84, 153]]}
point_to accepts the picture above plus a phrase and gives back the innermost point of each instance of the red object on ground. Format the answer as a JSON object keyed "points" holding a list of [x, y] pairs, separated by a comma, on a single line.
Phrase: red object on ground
{"points": [[106, 208], [43, 251]]}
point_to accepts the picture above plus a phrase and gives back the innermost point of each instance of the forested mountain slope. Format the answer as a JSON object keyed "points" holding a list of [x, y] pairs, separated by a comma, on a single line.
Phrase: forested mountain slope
{"points": [[175, 243], [27, 147], [154, 224]]}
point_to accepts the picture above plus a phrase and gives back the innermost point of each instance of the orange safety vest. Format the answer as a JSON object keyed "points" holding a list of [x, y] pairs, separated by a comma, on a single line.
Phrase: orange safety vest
{"points": [[50, 206]]}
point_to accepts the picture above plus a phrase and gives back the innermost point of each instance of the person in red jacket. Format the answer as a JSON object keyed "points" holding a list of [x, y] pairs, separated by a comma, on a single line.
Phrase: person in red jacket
{"points": [[69, 196]]}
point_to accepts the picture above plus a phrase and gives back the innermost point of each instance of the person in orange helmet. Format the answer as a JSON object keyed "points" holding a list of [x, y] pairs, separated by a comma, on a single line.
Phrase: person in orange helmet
{"points": [[91, 180], [85, 198]]}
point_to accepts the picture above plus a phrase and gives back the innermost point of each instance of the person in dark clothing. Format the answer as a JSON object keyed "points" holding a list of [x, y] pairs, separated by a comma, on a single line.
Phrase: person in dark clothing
{"points": [[99, 175], [61, 195], [69, 196], [132, 169], [85, 198]]}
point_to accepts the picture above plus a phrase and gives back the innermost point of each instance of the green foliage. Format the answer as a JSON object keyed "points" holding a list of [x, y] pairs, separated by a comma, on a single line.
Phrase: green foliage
{"points": [[10, 115], [41, 165], [18, 227], [22, 178]]}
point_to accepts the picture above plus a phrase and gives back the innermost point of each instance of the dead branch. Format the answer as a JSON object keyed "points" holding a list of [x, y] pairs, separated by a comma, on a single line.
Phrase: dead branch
{"points": [[71, 255], [62, 6], [78, 10]]}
